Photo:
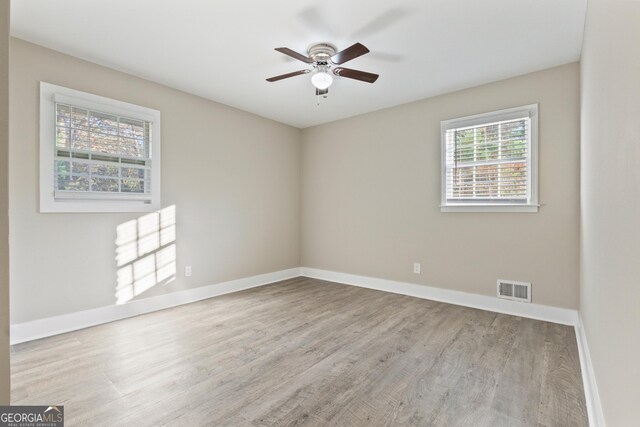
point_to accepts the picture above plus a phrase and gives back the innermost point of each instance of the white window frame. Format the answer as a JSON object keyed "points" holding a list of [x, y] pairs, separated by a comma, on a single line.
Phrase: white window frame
{"points": [[531, 204], [85, 201]]}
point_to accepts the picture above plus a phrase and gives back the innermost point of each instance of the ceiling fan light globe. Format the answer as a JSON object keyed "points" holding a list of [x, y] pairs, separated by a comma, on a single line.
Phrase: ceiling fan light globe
{"points": [[321, 80]]}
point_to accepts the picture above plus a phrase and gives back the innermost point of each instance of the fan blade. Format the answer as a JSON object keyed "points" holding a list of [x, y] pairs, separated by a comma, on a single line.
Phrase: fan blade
{"points": [[349, 53], [355, 74], [294, 54], [286, 76], [322, 91]]}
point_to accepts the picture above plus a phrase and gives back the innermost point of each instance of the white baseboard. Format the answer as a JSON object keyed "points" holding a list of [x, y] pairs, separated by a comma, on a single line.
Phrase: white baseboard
{"points": [[27, 331], [41, 328], [563, 316], [592, 397]]}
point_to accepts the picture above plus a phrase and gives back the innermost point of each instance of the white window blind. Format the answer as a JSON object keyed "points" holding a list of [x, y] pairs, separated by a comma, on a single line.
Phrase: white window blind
{"points": [[488, 160], [101, 155], [97, 154]]}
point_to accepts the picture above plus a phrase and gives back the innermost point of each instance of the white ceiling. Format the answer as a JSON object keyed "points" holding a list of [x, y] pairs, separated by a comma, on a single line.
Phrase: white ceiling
{"points": [[223, 49]]}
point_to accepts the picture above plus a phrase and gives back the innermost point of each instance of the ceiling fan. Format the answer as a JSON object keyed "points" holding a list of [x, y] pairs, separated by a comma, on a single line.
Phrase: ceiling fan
{"points": [[324, 58]]}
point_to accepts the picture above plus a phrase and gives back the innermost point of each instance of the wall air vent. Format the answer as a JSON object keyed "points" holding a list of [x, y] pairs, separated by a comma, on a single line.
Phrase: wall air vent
{"points": [[516, 291]]}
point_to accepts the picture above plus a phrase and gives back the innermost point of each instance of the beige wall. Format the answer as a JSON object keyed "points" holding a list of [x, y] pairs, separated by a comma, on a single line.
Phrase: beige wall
{"points": [[4, 198], [610, 208], [371, 191], [233, 177]]}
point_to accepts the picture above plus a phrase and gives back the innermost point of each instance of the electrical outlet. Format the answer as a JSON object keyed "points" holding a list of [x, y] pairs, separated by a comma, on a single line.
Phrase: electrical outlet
{"points": [[416, 267], [187, 271]]}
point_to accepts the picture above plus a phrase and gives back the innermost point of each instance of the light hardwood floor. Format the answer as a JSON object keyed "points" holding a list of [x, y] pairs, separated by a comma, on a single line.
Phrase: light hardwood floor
{"points": [[308, 352]]}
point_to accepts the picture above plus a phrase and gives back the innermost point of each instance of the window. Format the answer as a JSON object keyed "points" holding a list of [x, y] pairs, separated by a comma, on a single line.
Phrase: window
{"points": [[97, 154], [489, 162]]}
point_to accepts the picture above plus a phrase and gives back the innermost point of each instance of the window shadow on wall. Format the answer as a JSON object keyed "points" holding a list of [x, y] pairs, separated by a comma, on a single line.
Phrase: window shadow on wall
{"points": [[145, 253]]}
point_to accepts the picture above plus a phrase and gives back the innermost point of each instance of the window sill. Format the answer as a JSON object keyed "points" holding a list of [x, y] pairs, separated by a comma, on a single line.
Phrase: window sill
{"points": [[80, 203], [489, 208], [88, 195]]}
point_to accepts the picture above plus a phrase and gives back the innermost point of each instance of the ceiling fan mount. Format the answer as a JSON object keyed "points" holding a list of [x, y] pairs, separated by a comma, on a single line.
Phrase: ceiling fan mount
{"points": [[325, 60]]}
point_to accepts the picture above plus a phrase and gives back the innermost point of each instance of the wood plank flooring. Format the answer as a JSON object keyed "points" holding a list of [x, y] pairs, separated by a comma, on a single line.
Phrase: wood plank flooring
{"points": [[308, 352]]}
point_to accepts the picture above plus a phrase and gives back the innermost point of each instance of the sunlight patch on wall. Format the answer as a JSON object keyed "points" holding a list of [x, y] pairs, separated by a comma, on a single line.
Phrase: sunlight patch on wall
{"points": [[145, 253]]}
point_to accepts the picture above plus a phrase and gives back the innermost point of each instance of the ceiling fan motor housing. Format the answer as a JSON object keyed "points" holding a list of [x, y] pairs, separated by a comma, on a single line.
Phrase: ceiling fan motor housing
{"points": [[321, 53]]}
